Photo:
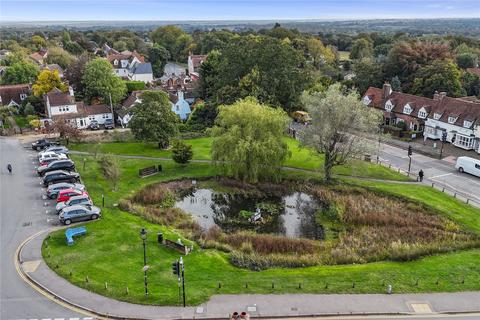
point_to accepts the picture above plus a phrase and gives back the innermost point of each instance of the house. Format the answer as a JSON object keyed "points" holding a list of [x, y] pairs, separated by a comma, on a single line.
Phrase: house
{"points": [[194, 63], [39, 56], [124, 115], [53, 67], [180, 106], [58, 103], [86, 114], [13, 95], [458, 117], [477, 135], [131, 66]]}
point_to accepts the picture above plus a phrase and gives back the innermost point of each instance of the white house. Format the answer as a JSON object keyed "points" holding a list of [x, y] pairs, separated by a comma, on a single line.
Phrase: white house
{"points": [[132, 66], [60, 103], [194, 62]]}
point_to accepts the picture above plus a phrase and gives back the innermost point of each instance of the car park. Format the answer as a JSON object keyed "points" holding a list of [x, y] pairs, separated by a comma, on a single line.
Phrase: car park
{"points": [[77, 213], [60, 176], [67, 165], [54, 189], [42, 144], [109, 124], [74, 200], [66, 194]]}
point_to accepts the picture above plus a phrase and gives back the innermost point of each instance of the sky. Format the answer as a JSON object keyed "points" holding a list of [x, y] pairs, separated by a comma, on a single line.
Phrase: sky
{"points": [[83, 10]]}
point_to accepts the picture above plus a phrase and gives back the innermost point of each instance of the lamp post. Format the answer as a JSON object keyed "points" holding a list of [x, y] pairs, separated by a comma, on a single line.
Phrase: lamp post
{"points": [[143, 235]]}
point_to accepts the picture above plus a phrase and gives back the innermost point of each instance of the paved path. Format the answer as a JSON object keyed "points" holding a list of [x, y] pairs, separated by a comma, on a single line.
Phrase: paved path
{"points": [[21, 214]]}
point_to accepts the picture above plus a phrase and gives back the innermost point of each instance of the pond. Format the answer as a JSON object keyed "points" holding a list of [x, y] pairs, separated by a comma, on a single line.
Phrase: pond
{"points": [[291, 215]]}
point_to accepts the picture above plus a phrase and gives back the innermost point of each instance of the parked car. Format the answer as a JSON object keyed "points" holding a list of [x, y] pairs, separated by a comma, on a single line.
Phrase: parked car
{"points": [[78, 213], [74, 200], [60, 176], [109, 124], [54, 189], [468, 165], [56, 149], [94, 125], [66, 194], [50, 155], [46, 161], [42, 144], [67, 165]]}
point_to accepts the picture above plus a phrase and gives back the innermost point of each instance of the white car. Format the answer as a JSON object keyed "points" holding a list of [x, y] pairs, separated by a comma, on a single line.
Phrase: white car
{"points": [[51, 155], [468, 165]]}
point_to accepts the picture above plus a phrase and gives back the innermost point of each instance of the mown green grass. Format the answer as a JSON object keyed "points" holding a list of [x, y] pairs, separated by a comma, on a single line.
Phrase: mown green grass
{"points": [[111, 252], [301, 158]]}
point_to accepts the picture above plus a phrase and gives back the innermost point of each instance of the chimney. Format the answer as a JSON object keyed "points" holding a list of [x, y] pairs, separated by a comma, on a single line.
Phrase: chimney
{"points": [[439, 95], [70, 90], [387, 90]]}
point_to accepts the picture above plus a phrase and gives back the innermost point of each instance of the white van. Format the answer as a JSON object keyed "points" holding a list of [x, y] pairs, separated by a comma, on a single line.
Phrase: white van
{"points": [[468, 165]]}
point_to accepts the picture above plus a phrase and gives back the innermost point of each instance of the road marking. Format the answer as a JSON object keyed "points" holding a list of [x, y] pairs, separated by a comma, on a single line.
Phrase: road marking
{"points": [[440, 175], [421, 308], [30, 266]]}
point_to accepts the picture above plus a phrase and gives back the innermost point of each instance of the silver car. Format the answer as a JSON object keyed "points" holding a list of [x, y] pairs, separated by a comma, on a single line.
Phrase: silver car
{"points": [[78, 213], [54, 189], [83, 200]]}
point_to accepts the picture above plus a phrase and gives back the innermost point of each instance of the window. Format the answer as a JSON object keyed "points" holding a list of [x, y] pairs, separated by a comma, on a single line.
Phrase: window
{"points": [[467, 124], [407, 109], [452, 119], [436, 116], [465, 142], [422, 114], [477, 166], [115, 62], [366, 100], [66, 108], [389, 105], [23, 96]]}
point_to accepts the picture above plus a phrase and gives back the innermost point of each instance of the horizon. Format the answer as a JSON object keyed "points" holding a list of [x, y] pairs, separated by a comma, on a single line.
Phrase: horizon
{"points": [[245, 10]]}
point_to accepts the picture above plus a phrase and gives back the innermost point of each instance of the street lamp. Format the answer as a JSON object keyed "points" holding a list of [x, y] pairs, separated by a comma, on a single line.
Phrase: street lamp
{"points": [[143, 235]]}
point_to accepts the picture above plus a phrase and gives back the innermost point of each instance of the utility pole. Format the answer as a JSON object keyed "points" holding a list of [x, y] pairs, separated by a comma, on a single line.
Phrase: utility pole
{"points": [[183, 279], [410, 152], [178, 269]]}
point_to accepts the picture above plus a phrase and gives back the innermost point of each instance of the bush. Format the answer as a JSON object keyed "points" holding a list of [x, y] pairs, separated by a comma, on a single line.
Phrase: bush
{"points": [[154, 194], [110, 169], [181, 152], [135, 85]]}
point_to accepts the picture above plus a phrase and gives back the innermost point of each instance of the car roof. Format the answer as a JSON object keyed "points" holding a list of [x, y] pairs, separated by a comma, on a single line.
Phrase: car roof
{"points": [[54, 172], [83, 196], [69, 190], [74, 207], [60, 184]]}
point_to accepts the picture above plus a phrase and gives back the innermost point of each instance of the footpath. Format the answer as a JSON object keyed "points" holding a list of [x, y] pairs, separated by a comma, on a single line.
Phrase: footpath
{"points": [[33, 269]]}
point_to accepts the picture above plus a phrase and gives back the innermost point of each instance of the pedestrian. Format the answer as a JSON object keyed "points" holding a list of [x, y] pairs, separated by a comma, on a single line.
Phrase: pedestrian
{"points": [[9, 168], [420, 175]]}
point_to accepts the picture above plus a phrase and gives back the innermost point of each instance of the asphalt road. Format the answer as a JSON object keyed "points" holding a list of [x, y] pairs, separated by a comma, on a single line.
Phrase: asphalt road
{"points": [[441, 172], [21, 214]]}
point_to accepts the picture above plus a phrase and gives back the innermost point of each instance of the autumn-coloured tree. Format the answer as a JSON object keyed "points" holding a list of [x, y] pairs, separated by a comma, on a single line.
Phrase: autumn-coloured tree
{"points": [[46, 81]]}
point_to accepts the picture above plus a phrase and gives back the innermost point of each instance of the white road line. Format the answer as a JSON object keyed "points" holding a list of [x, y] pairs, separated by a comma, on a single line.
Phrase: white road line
{"points": [[440, 175], [59, 319]]}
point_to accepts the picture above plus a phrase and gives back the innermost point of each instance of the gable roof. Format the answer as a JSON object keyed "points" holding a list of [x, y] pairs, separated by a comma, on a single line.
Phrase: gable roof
{"points": [[59, 98], [197, 59], [142, 68], [9, 93]]}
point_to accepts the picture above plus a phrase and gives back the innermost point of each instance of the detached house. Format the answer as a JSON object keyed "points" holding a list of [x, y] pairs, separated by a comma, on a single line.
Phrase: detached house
{"points": [[194, 63], [458, 117], [13, 95], [131, 65], [62, 105], [39, 56]]}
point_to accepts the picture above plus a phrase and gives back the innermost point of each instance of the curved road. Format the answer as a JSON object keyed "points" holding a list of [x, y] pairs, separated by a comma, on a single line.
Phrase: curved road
{"points": [[21, 215]]}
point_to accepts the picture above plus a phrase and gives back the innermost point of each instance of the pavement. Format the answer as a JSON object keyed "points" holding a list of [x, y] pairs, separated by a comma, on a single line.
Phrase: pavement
{"points": [[31, 290]]}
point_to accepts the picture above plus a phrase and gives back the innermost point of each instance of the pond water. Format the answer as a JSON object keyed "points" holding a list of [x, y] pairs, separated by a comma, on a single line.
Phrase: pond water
{"points": [[291, 215]]}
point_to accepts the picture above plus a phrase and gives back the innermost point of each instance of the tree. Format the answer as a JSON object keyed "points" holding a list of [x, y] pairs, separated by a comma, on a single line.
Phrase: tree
{"points": [[38, 42], [120, 45], [340, 126], [100, 81], [74, 73], [471, 84], [66, 130], [46, 81], [441, 75], [361, 48], [467, 60], [174, 39], [20, 72], [110, 168], [29, 109], [153, 119], [367, 74], [181, 152], [74, 48], [396, 84], [248, 140], [158, 56], [59, 56], [319, 53], [203, 115]]}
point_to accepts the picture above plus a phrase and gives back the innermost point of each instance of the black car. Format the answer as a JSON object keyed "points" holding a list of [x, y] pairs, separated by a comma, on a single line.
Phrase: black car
{"points": [[60, 176], [67, 165], [42, 144], [109, 124]]}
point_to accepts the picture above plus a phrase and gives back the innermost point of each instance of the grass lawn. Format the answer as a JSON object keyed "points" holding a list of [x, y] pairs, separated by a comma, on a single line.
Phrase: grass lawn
{"points": [[111, 252], [301, 157]]}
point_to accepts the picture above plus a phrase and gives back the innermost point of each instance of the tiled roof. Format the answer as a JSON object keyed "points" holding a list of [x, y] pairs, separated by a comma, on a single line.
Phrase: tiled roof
{"points": [[197, 60], [459, 108], [12, 92], [142, 68], [58, 98]]}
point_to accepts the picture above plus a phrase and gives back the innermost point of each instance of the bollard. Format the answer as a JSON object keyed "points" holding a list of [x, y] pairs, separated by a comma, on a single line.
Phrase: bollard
{"points": [[443, 189], [432, 184], [219, 285], [126, 290], [389, 289], [454, 194], [246, 285], [468, 200], [86, 279], [326, 285], [106, 286], [273, 285]]}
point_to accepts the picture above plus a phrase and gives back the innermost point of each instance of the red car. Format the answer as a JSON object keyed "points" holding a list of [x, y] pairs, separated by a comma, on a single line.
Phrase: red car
{"points": [[65, 194]]}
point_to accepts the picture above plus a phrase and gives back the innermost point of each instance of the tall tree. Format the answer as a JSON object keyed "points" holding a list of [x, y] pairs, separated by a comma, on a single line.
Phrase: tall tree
{"points": [[158, 56], [59, 56], [319, 54], [441, 75], [367, 74], [174, 39], [75, 72], [340, 126], [361, 48], [46, 81], [153, 119], [248, 140], [100, 81], [471, 84], [20, 72]]}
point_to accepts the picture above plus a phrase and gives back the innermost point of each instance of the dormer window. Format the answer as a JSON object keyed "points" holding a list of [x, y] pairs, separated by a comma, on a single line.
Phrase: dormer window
{"points": [[422, 113], [436, 116], [389, 105], [407, 109], [23, 96], [366, 100], [452, 119], [467, 124], [115, 62]]}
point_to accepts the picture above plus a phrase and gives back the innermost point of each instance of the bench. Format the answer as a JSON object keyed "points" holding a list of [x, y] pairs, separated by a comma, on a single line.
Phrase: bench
{"points": [[177, 246], [148, 171], [71, 232]]}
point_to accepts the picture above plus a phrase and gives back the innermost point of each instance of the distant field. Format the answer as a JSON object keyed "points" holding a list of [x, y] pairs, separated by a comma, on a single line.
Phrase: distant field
{"points": [[344, 55]]}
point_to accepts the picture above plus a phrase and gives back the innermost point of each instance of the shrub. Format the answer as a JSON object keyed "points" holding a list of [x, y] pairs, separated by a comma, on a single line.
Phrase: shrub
{"points": [[154, 194], [110, 169], [181, 152], [135, 85]]}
